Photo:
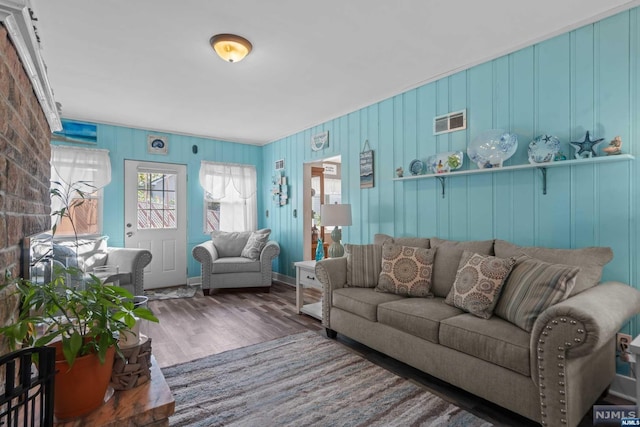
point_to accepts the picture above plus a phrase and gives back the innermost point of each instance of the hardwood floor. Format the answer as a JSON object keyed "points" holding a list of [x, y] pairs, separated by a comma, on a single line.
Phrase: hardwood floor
{"points": [[191, 328]]}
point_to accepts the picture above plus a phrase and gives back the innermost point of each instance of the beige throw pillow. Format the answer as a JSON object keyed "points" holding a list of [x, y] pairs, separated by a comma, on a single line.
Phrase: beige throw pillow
{"points": [[406, 270], [363, 265], [531, 288], [478, 283]]}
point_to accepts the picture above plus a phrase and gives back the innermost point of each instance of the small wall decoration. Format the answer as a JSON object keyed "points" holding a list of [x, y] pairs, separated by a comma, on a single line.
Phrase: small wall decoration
{"points": [[366, 166], [157, 144], [330, 168], [586, 148], [279, 164], [280, 189], [320, 141], [615, 147]]}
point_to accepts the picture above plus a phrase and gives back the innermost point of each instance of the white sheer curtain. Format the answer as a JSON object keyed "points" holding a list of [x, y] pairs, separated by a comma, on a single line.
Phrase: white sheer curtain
{"points": [[234, 187], [73, 165]]}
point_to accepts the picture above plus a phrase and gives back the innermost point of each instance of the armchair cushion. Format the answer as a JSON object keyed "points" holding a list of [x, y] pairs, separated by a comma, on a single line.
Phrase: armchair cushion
{"points": [[255, 244], [234, 265], [229, 243]]}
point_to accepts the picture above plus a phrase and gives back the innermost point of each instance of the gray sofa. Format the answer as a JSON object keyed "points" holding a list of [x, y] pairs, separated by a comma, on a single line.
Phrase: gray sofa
{"points": [[552, 374], [236, 260]]}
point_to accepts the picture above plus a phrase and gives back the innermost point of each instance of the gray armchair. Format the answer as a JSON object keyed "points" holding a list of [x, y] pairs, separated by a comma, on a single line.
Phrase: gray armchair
{"points": [[93, 252], [227, 263]]}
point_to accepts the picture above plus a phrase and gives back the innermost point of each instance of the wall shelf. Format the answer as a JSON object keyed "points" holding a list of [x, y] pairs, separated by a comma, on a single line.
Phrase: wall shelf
{"points": [[542, 167]]}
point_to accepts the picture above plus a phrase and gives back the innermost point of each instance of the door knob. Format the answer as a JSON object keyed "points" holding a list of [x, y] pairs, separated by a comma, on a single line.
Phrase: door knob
{"points": [[129, 233], [128, 225]]}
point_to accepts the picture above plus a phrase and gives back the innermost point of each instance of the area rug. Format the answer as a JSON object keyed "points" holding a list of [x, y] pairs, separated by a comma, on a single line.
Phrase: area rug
{"points": [[173, 292], [302, 380]]}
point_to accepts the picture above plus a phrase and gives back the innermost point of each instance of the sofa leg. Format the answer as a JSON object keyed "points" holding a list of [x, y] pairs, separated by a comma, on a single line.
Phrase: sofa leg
{"points": [[206, 292], [331, 333]]}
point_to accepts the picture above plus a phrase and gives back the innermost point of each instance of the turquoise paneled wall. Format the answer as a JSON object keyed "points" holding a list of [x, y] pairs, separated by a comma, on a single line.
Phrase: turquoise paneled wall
{"points": [[131, 144], [583, 80]]}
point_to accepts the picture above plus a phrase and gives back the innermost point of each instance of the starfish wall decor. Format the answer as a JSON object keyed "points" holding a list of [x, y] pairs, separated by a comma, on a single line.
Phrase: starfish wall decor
{"points": [[586, 148]]}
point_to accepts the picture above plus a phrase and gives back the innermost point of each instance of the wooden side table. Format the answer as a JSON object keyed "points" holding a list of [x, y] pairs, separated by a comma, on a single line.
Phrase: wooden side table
{"points": [[306, 276], [149, 405]]}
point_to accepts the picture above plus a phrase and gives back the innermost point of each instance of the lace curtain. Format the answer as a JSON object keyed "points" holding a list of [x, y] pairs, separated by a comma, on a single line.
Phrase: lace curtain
{"points": [[234, 187], [70, 165]]}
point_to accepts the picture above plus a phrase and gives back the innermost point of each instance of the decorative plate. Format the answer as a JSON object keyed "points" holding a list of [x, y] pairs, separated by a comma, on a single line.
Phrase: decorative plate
{"points": [[543, 149], [492, 147], [416, 167], [445, 162]]}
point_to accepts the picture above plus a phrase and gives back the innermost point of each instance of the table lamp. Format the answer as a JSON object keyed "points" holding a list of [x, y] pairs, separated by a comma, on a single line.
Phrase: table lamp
{"points": [[336, 215]]}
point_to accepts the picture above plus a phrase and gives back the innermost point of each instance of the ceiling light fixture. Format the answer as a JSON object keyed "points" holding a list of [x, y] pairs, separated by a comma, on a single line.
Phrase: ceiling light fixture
{"points": [[230, 47]]}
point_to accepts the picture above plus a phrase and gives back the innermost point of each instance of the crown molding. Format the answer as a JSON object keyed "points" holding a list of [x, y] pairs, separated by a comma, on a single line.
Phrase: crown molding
{"points": [[14, 14]]}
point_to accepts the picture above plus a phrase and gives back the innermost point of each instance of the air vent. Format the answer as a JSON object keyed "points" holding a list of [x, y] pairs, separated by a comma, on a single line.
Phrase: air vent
{"points": [[450, 122], [279, 164]]}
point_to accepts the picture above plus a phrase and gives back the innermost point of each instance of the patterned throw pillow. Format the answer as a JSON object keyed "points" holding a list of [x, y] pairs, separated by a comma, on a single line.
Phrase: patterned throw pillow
{"points": [[478, 283], [406, 270], [531, 288], [363, 265], [255, 244]]}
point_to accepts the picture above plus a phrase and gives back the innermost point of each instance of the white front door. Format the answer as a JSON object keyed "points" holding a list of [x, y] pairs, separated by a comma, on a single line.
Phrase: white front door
{"points": [[155, 200]]}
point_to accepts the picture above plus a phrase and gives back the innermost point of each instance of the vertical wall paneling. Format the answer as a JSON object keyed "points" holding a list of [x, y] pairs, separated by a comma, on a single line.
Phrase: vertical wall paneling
{"points": [[564, 86]]}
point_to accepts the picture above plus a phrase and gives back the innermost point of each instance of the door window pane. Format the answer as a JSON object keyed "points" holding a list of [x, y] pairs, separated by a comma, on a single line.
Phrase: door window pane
{"points": [[156, 200]]}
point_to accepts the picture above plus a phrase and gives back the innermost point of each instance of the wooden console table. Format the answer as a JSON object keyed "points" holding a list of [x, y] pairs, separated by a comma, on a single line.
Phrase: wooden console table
{"points": [[150, 404]]}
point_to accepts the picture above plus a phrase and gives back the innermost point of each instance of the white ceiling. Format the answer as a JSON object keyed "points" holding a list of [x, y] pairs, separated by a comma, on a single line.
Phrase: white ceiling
{"points": [[148, 64]]}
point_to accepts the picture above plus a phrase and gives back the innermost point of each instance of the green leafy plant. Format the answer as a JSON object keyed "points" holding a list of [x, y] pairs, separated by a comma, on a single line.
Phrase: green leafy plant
{"points": [[86, 318]]}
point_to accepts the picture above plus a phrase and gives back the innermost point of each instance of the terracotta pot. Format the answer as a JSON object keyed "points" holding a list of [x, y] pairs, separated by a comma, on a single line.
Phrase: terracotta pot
{"points": [[82, 388]]}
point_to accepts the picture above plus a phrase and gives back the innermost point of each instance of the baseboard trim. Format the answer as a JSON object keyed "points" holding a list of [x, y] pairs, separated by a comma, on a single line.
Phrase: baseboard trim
{"points": [[287, 280], [194, 281], [624, 387]]}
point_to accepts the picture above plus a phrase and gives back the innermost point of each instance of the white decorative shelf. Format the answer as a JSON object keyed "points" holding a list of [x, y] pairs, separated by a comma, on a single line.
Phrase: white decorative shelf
{"points": [[540, 166]]}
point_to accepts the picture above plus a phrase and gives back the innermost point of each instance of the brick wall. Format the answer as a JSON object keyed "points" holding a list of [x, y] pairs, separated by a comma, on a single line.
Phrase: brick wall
{"points": [[24, 168]]}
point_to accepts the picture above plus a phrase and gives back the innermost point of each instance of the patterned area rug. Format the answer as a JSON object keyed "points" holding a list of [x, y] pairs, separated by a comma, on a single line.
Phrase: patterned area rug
{"points": [[302, 380]]}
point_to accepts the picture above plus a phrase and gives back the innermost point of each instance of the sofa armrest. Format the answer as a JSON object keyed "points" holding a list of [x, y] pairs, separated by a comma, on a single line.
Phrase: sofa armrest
{"points": [[205, 253], [579, 326], [270, 252], [131, 260], [332, 274]]}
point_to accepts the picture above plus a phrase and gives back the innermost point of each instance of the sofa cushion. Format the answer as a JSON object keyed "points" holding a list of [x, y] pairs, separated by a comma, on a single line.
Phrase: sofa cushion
{"points": [[363, 265], [416, 242], [256, 242], [591, 260], [362, 301], [531, 288], [229, 244], [417, 316], [478, 283], [234, 265], [494, 340], [445, 265], [406, 270]]}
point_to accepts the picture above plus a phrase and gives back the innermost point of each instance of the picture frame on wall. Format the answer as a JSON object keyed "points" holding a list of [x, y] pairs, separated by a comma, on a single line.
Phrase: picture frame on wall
{"points": [[157, 144], [366, 166]]}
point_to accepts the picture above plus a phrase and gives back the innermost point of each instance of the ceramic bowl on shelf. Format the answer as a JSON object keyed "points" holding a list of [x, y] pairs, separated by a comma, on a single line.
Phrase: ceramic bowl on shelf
{"points": [[416, 167], [445, 162], [543, 149], [492, 147]]}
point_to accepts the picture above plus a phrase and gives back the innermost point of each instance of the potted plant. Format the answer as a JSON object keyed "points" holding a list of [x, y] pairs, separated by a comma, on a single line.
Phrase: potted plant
{"points": [[83, 323]]}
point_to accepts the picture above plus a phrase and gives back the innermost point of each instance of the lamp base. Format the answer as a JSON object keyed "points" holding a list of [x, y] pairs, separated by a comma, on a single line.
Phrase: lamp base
{"points": [[336, 250]]}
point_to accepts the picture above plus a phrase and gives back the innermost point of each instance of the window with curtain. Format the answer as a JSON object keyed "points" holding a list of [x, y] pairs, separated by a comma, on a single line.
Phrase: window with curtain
{"points": [[76, 171], [230, 196]]}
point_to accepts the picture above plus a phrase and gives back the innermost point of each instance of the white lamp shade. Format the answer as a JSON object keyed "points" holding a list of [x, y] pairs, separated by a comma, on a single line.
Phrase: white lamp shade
{"points": [[335, 215]]}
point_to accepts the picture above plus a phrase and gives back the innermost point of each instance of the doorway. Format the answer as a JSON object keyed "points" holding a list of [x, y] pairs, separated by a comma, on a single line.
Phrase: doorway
{"points": [[322, 184], [155, 219]]}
